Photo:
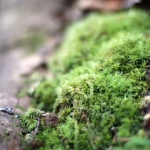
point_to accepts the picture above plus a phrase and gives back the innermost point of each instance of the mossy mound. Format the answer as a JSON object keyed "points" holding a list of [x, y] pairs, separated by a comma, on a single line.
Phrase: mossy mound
{"points": [[110, 94], [101, 78], [86, 39]]}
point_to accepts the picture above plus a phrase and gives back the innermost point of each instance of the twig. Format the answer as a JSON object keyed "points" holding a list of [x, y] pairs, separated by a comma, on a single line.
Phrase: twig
{"points": [[35, 131]]}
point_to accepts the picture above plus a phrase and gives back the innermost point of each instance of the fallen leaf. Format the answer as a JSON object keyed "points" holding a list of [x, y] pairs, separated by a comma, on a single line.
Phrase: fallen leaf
{"points": [[106, 5]]}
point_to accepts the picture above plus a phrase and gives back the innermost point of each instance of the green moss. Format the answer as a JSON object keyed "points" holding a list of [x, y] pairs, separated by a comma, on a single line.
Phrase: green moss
{"points": [[136, 143], [44, 95], [86, 38], [64, 136], [29, 120], [100, 81]]}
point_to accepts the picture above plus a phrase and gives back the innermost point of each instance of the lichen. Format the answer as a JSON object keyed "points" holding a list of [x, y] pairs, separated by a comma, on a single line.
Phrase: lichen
{"points": [[100, 80]]}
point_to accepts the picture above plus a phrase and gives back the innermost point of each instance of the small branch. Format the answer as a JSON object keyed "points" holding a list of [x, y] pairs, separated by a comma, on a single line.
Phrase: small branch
{"points": [[35, 131]]}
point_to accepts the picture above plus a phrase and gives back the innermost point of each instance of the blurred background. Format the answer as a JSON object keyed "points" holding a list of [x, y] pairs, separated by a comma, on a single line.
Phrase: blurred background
{"points": [[20, 19], [29, 30]]}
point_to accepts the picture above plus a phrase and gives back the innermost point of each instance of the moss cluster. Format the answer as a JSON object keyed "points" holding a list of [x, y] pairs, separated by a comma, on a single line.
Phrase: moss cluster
{"points": [[101, 77], [44, 99], [136, 143], [29, 120], [89, 38]]}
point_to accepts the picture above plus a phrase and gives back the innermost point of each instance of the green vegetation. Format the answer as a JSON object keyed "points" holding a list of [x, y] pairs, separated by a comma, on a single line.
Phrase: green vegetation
{"points": [[136, 143], [88, 40], [100, 79], [44, 99], [29, 120]]}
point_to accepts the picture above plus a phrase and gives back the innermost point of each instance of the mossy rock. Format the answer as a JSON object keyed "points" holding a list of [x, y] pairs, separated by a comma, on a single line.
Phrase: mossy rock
{"points": [[101, 78]]}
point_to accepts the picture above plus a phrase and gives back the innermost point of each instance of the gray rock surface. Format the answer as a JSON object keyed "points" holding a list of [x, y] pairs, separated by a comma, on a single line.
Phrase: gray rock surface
{"points": [[9, 133]]}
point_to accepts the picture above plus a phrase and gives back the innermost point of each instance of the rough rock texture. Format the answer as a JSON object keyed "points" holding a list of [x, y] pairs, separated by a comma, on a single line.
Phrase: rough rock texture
{"points": [[9, 132]]}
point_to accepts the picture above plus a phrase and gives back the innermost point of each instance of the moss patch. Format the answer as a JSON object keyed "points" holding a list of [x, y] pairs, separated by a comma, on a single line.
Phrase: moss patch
{"points": [[100, 80], [45, 99], [88, 38]]}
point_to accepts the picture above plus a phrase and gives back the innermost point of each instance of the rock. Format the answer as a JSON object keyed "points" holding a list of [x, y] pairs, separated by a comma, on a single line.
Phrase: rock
{"points": [[7, 101], [50, 119], [9, 132]]}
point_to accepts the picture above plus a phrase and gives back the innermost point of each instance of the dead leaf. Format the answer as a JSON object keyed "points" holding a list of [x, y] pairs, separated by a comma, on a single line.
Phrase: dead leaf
{"points": [[106, 5]]}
